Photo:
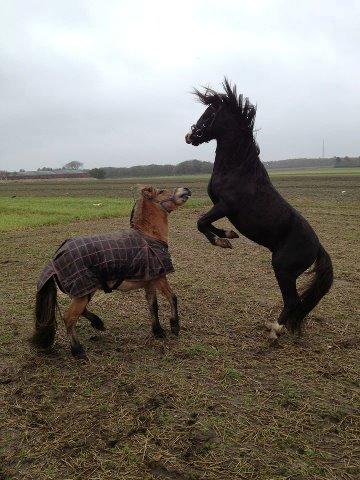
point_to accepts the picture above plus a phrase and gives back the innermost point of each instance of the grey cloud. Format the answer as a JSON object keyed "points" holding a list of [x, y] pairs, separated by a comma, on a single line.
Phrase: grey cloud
{"points": [[107, 84]]}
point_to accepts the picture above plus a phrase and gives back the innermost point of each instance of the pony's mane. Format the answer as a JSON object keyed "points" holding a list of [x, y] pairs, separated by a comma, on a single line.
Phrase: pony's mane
{"points": [[135, 212], [246, 112]]}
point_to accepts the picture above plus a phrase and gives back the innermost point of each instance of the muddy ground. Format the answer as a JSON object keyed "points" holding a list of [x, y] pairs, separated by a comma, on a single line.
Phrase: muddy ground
{"points": [[220, 401]]}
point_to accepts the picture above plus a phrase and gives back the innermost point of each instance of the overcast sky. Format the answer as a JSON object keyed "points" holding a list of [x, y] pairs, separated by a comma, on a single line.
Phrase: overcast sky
{"points": [[108, 82]]}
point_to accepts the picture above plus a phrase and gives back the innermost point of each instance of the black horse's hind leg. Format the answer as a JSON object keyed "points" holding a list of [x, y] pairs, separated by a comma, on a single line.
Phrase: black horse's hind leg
{"points": [[150, 293], [205, 226], [291, 299], [95, 321], [295, 256]]}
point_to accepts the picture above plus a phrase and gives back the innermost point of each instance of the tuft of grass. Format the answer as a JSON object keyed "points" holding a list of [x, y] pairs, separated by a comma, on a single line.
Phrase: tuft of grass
{"points": [[232, 373]]}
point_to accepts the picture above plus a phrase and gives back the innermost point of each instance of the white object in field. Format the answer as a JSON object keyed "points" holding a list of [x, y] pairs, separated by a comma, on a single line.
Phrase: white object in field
{"points": [[343, 191], [97, 204]]}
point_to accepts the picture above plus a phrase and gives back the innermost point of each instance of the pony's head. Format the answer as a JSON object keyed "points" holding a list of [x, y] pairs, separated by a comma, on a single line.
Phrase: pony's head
{"points": [[226, 112], [165, 200]]}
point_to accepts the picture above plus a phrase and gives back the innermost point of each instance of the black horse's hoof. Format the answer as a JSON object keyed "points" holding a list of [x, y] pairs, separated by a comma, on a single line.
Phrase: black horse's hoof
{"points": [[159, 332], [231, 234], [222, 242], [78, 352]]}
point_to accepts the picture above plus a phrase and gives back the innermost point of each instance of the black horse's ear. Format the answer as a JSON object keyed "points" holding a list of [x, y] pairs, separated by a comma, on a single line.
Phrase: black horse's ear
{"points": [[148, 192], [208, 96]]}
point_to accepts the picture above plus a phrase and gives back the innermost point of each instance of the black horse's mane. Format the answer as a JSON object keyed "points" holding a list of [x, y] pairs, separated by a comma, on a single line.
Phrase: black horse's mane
{"points": [[245, 111]]}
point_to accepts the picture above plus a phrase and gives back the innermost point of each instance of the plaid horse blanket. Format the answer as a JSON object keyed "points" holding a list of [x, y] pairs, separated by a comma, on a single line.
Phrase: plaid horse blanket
{"points": [[82, 265]]}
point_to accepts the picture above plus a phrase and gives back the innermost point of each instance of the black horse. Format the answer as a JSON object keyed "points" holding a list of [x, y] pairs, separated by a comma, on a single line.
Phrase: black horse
{"points": [[241, 190]]}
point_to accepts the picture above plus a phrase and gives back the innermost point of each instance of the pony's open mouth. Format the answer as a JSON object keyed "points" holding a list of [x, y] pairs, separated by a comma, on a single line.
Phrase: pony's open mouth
{"points": [[185, 196]]}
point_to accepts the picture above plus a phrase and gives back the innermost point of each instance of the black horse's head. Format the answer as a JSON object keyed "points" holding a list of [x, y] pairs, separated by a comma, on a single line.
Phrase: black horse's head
{"points": [[226, 113]]}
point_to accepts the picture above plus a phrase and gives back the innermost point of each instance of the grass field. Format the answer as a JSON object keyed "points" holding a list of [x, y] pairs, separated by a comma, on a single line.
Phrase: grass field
{"points": [[219, 402], [26, 212]]}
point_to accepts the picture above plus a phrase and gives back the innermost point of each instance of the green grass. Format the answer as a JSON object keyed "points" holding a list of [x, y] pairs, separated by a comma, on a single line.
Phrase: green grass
{"points": [[29, 212]]}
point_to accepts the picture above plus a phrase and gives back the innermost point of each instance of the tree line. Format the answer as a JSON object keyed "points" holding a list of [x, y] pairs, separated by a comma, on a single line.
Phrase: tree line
{"points": [[189, 167], [193, 167]]}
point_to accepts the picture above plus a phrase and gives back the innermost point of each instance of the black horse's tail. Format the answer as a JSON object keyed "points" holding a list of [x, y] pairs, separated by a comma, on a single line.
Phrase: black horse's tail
{"points": [[318, 287], [45, 315]]}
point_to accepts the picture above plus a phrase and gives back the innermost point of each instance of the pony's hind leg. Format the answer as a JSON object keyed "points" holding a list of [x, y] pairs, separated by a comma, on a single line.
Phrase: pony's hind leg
{"points": [[71, 316], [95, 321], [163, 285], [150, 294]]}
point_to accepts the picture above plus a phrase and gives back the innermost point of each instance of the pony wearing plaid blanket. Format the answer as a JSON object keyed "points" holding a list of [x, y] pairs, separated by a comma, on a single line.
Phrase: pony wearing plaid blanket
{"points": [[128, 260]]}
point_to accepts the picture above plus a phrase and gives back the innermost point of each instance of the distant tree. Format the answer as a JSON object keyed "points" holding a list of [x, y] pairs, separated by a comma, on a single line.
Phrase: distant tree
{"points": [[98, 173], [337, 162], [3, 175], [42, 169], [21, 170], [74, 165]]}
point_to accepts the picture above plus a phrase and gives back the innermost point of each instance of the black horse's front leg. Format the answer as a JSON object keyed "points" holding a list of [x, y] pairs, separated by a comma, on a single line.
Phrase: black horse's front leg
{"points": [[223, 233], [214, 235]]}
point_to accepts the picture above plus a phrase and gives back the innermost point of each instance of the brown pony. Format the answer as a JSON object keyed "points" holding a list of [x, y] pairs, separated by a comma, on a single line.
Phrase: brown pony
{"points": [[128, 260]]}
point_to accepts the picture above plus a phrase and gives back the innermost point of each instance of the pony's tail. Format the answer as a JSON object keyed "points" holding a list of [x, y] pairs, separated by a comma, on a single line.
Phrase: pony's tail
{"points": [[45, 315], [318, 287]]}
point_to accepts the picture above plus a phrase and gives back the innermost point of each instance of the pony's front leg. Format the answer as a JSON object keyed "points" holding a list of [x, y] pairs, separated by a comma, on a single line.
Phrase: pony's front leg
{"points": [[71, 316], [150, 293], [163, 285], [205, 226]]}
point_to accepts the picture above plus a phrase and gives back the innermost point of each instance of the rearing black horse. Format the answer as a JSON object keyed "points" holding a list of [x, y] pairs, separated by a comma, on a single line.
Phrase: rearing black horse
{"points": [[241, 190]]}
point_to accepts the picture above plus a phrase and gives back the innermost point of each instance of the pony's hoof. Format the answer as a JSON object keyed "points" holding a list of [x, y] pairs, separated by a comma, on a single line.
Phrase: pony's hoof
{"points": [[223, 243], [159, 332], [78, 352], [175, 328], [231, 234], [99, 326]]}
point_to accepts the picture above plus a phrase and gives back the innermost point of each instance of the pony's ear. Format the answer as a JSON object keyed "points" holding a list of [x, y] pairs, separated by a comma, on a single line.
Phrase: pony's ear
{"points": [[148, 192]]}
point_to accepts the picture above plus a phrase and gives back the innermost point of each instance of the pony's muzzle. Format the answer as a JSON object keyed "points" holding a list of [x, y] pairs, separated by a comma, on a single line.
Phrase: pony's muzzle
{"points": [[181, 195], [186, 193]]}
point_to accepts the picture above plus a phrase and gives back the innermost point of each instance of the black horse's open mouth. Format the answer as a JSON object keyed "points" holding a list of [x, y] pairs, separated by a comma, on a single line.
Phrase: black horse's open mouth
{"points": [[190, 140]]}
